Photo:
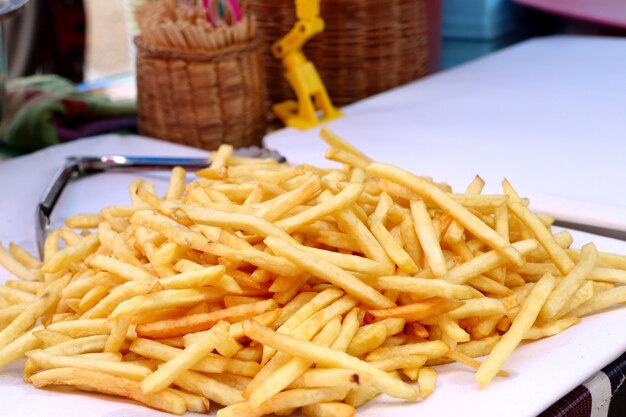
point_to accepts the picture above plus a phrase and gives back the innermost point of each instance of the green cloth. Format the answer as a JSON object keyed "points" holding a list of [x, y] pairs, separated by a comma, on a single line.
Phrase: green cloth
{"points": [[43, 110]]}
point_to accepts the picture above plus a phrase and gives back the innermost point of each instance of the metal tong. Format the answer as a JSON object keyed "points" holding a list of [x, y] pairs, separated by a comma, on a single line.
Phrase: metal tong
{"points": [[82, 166]]}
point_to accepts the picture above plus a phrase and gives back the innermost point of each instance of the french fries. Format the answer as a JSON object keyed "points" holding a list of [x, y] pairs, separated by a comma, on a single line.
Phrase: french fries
{"points": [[267, 288]]}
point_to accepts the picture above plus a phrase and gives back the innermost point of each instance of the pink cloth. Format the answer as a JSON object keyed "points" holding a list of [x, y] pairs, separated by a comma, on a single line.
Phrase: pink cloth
{"points": [[606, 12]]}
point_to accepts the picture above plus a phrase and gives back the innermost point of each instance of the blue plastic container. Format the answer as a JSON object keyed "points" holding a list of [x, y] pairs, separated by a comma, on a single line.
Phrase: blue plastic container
{"points": [[473, 28], [481, 19]]}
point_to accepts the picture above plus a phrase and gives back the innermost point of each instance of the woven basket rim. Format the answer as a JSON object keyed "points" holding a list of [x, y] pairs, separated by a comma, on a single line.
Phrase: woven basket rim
{"points": [[198, 56]]}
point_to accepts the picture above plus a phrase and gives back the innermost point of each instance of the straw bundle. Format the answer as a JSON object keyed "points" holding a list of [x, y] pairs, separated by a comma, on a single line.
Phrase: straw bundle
{"points": [[164, 24], [198, 84]]}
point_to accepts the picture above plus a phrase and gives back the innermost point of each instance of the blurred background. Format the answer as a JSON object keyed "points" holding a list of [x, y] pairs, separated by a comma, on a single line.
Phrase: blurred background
{"points": [[469, 28], [93, 37]]}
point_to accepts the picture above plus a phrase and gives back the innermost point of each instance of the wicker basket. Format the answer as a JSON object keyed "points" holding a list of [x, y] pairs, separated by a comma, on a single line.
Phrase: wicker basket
{"points": [[202, 99], [367, 46]]}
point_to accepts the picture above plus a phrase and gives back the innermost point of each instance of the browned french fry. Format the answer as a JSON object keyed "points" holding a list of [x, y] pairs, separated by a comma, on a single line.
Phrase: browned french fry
{"points": [[430, 307], [198, 322]]}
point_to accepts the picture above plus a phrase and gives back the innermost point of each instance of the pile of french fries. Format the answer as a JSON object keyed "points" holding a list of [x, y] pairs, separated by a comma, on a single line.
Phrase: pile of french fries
{"points": [[267, 288]]}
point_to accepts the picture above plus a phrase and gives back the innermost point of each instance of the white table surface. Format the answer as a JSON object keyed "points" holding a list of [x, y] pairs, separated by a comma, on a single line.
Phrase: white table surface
{"points": [[443, 126]]}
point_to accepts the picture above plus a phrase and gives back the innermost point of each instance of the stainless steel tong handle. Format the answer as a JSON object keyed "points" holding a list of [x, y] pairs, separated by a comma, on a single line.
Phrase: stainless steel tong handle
{"points": [[81, 166]]}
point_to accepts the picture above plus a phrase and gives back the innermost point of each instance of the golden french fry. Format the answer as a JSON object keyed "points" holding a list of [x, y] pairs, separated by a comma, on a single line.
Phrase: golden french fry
{"points": [[194, 403], [327, 357], [274, 209], [88, 380], [568, 285], [581, 296], [454, 233], [83, 284], [80, 345], [486, 262], [120, 268], [171, 229], [47, 360], [336, 142], [604, 274], [65, 257], [478, 307], [464, 217], [557, 253], [177, 184], [426, 381], [93, 297], [336, 203], [17, 296], [338, 240], [238, 221], [50, 337], [14, 266], [328, 409], [208, 387], [274, 264], [225, 344], [452, 330], [349, 329], [382, 207], [32, 287], [19, 346], [81, 327], [607, 260], [307, 328], [24, 257], [166, 299], [331, 377], [290, 399], [290, 371], [550, 329], [156, 350], [367, 340], [471, 362], [83, 221], [348, 262], [422, 287], [349, 223], [118, 334], [427, 238], [329, 272], [29, 316], [400, 362], [600, 301], [523, 321], [356, 397], [170, 370], [431, 349], [117, 295], [105, 356], [393, 249]]}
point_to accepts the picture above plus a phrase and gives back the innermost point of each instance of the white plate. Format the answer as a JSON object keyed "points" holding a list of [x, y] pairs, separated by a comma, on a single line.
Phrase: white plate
{"points": [[541, 372]]}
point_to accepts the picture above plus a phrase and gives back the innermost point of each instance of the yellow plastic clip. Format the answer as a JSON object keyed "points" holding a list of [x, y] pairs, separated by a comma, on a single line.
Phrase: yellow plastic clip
{"points": [[301, 73]]}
